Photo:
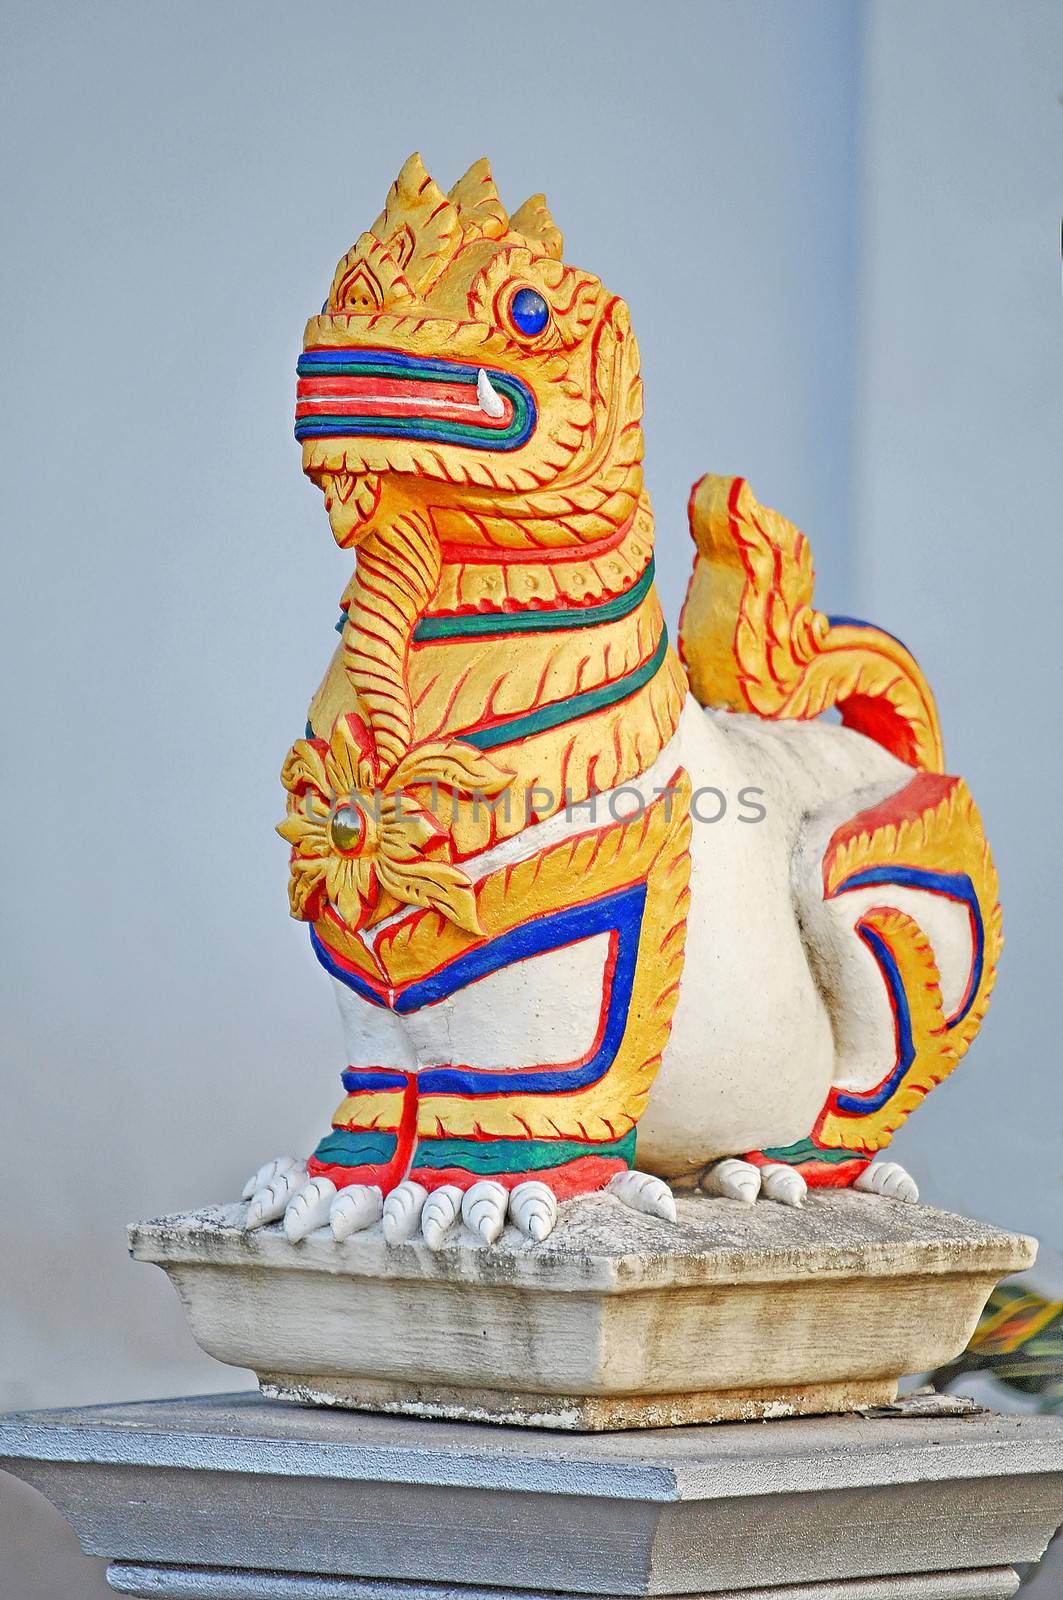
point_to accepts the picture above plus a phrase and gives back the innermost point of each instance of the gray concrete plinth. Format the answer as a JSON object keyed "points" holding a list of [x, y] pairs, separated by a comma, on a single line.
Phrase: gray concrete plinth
{"points": [[238, 1498], [186, 1583]]}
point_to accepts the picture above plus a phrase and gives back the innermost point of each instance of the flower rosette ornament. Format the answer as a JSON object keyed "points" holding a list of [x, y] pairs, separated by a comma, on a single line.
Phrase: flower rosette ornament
{"points": [[358, 834]]}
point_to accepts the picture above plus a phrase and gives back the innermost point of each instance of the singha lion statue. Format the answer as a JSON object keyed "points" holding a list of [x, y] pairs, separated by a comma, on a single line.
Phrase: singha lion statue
{"points": [[581, 896]]}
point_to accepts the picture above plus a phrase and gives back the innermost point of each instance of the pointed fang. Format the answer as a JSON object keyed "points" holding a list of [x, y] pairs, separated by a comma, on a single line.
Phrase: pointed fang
{"points": [[490, 401]]}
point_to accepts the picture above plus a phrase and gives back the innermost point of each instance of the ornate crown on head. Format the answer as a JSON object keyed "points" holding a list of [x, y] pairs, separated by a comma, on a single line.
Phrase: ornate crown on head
{"points": [[421, 230]]}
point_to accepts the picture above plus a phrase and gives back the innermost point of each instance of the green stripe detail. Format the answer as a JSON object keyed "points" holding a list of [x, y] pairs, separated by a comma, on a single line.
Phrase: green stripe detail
{"points": [[321, 426], [349, 1147], [493, 622], [807, 1150], [569, 709], [516, 1155]]}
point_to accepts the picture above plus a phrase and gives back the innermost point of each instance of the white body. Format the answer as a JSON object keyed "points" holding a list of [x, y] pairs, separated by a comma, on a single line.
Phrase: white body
{"points": [[779, 1000]]}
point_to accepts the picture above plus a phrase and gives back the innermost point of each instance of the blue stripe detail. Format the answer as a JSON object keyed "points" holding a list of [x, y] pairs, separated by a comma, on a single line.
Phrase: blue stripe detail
{"points": [[858, 622], [955, 886], [621, 911], [320, 363], [864, 1103]]}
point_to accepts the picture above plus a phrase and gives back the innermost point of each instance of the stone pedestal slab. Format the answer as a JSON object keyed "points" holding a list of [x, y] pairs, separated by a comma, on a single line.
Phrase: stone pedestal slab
{"points": [[240, 1498], [617, 1321]]}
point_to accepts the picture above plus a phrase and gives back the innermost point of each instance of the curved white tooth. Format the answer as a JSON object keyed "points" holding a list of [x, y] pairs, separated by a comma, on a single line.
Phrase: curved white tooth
{"points": [[402, 1211], [441, 1210], [783, 1183], [271, 1201], [483, 1208], [309, 1209], [641, 1191], [533, 1207], [266, 1174], [354, 1208], [490, 400], [733, 1180], [890, 1179]]}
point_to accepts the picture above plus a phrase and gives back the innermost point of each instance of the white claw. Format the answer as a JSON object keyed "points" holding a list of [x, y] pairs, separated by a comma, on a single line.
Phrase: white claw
{"points": [[734, 1180], [266, 1174], [643, 1192], [402, 1211], [355, 1208], [441, 1210], [890, 1179], [483, 1208], [533, 1207], [490, 400], [271, 1201], [309, 1209], [784, 1184]]}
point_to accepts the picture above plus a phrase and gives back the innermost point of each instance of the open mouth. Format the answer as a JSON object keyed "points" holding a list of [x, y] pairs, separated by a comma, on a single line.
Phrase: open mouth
{"points": [[385, 394]]}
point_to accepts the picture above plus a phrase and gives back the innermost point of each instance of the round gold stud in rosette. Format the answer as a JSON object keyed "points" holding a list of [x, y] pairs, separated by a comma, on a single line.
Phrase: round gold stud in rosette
{"points": [[356, 833]]}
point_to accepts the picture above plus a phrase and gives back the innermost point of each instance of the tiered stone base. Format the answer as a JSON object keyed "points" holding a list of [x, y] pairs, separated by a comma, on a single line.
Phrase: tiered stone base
{"points": [[617, 1321]]}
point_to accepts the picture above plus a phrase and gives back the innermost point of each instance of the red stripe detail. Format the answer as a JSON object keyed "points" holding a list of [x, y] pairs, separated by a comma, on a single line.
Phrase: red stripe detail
{"points": [[357, 396], [922, 794], [367, 384], [582, 1176], [833, 1175], [817, 1174], [527, 555]]}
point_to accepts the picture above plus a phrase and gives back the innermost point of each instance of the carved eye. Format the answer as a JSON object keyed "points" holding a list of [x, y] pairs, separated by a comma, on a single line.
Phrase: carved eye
{"points": [[528, 312]]}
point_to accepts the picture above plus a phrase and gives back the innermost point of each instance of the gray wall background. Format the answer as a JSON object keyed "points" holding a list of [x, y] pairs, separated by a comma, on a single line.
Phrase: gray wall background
{"points": [[836, 225]]}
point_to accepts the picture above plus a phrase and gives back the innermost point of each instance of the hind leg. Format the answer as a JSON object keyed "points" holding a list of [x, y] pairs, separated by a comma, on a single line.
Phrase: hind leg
{"points": [[899, 907]]}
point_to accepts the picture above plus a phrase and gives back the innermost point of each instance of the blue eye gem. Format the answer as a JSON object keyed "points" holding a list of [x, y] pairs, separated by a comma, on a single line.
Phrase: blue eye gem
{"points": [[529, 312]]}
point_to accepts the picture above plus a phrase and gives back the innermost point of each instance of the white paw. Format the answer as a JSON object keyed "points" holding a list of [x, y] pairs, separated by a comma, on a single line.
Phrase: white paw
{"points": [[483, 1209], [890, 1179], [354, 1208], [309, 1209], [271, 1201], [643, 1192], [533, 1207], [266, 1174], [782, 1183], [733, 1180], [402, 1211], [441, 1211]]}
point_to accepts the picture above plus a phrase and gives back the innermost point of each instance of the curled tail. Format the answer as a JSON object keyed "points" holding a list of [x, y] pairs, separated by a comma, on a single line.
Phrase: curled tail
{"points": [[751, 640]]}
